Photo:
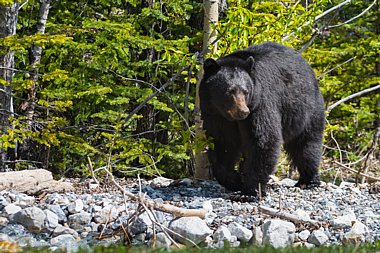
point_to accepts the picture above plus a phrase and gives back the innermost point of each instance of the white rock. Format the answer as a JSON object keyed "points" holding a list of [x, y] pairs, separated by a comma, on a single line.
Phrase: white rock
{"points": [[302, 214], [357, 234], [287, 182], [257, 237], [318, 238], [11, 209], [207, 206], [161, 181], [303, 235], [76, 207], [346, 220], [278, 233], [193, 228], [242, 233], [24, 200]]}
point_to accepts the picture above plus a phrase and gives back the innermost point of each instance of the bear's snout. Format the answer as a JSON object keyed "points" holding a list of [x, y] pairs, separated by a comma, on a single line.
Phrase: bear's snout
{"points": [[239, 110]]}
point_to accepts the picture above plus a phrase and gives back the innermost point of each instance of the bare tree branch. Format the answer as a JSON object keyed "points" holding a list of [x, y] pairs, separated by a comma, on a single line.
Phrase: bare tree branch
{"points": [[352, 96], [338, 66], [318, 17], [357, 172], [352, 19]]}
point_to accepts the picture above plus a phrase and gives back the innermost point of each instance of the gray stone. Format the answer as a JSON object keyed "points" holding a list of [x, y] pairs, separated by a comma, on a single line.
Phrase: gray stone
{"points": [[61, 230], [222, 234], [59, 212], [4, 237], [51, 220], [106, 214], [318, 238], [242, 233], [278, 233], [78, 221], [62, 239], [3, 221], [32, 218], [193, 228], [141, 224], [161, 241], [3, 202]]}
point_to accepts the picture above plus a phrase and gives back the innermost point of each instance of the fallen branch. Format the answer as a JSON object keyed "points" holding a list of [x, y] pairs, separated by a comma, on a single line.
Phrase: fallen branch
{"points": [[287, 216], [167, 208], [352, 96], [357, 172]]}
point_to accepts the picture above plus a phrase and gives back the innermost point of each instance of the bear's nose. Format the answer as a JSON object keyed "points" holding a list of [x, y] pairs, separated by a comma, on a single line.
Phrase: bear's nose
{"points": [[244, 113]]}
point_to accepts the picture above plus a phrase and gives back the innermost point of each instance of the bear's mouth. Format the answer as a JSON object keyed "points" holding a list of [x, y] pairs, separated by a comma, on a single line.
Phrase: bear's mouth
{"points": [[237, 114]]}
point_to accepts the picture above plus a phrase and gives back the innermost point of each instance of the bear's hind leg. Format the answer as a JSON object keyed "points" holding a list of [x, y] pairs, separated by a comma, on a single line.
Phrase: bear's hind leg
{"points": [[305, 154]]}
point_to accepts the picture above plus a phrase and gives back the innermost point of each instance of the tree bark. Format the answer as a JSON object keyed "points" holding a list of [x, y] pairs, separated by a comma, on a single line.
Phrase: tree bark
{"points": [[26, 150], [210, 19], [8, 21]]}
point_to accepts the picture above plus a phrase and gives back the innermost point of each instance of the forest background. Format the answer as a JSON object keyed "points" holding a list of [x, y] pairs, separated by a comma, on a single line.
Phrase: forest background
{"points": [[112, 84]]}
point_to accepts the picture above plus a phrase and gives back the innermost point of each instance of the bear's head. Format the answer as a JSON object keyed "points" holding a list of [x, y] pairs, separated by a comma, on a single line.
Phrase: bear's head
{"points": [[229, 86]]}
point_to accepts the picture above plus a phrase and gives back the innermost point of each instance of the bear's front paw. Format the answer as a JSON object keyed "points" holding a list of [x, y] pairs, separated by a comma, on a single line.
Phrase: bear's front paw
{"points": [[238, 197], [308, 185]]}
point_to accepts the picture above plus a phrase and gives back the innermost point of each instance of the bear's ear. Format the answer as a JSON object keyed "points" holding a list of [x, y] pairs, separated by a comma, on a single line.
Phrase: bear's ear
{"points": [[210, 66], [251, 62]]}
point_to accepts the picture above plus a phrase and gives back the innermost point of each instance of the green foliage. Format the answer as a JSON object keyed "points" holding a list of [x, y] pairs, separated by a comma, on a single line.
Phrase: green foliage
{"points": [[101, 60]]}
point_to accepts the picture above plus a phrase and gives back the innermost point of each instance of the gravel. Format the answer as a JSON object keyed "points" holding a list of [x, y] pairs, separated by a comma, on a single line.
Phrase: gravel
{"points": [[100, 214]]}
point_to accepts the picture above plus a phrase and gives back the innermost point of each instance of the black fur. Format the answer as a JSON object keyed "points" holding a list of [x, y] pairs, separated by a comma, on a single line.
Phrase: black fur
{"points": [[285, 107]]}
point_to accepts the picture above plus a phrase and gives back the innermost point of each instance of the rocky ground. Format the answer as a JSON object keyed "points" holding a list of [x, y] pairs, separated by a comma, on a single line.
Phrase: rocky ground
{"points": [[100, 214]]}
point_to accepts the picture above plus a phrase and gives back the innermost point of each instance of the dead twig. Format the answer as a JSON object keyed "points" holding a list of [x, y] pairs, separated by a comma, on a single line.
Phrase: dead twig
{"points": [[167, 208], [357, 172], [287, 216]]}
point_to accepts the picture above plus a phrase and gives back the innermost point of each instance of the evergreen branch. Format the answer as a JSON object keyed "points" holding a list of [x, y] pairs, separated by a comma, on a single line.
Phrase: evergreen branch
{"points": [[352, 96]]}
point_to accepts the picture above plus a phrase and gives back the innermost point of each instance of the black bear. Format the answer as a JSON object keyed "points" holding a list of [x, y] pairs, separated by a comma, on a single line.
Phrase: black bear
{"points": [[254, 100]]}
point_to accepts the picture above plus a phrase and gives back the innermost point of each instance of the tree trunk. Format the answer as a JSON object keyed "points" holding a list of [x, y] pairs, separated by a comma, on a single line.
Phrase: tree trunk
{"points": [[8, 21], [210, 19], [26, 150]]}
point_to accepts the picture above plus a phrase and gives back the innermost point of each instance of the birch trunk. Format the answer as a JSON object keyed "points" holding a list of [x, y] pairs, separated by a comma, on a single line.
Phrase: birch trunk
{"points": [[8, 21], [210, 19], [26, 150]]}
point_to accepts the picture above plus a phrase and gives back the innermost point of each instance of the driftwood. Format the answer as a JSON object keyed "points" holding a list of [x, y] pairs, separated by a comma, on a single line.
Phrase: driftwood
{"points": [[150, 204], [32, 182], [287, 216]]}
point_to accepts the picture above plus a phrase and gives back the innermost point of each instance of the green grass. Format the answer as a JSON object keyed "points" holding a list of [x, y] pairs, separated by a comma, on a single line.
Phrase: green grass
{"points": [[366, 248]]}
